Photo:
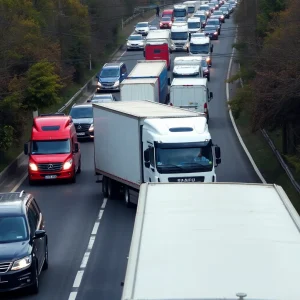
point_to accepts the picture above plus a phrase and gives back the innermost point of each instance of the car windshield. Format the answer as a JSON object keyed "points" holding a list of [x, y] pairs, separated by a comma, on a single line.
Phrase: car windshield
{"points": [[179, 35], [109, 72], [166, 19], [13, 229], [199, 49], [210, 28], [179, 13], [81, 112], [135, 38], [218, 13], [204, 7], [191, 159], [191, 9], [194, 25], [200, 34], [212, 22], [142, 25], [50, 147], [204, 64]]}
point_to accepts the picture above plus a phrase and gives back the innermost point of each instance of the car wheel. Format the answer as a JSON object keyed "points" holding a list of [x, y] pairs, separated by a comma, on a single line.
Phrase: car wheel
{"points": [[104, 186], [127, 197], [73, 179], [46, 261], [34, 289], [79, 167]]}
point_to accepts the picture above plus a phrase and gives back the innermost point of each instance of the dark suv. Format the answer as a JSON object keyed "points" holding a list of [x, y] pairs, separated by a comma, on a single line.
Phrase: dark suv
{"points": [[23, 242], [82, 116], [110, 77]]}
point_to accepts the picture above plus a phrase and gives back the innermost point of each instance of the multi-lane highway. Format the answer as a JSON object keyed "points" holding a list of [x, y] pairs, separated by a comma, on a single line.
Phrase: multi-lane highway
{"points": [[71, 209]]}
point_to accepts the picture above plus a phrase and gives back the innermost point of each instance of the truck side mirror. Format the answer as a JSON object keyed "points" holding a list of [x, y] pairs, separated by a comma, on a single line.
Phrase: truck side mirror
{"points": [[218, 155], [146, 156], [26, 149], [212, 48], [169, 81], [211, 95], [76, 147]]}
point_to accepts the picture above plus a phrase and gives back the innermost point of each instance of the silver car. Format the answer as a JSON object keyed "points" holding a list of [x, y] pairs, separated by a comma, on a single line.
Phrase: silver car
{"points": [[142, 28], [103, 98], [135, 42]]}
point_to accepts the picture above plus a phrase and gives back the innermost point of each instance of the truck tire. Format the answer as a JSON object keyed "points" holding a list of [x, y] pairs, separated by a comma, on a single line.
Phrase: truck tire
{"points": [[127, 197], [104, 186], [110, 188]]}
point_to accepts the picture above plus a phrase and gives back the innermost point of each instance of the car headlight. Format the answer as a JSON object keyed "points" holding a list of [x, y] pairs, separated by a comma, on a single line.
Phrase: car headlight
{"points": [[128, 44], [33, 167], [99, 84], [91, 128], [117, 83], [22, 263], [68, 164]]}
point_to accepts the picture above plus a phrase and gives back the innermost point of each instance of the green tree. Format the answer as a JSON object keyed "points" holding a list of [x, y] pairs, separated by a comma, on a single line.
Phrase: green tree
{"points": [[43, 86]]}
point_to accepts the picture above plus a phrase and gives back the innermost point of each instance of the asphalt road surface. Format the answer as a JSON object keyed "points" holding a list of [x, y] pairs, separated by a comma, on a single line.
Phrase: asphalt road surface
{"points": [[71, 209]]}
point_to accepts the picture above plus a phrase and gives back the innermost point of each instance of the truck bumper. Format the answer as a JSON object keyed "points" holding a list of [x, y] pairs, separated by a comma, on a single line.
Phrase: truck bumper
{"points": [[45, 176]]}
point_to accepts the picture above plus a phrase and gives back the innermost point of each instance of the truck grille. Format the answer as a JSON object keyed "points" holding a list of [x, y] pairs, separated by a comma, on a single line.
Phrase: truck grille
{"points": [[82, 127], [107, 83], [4, 267], [51, 167]]}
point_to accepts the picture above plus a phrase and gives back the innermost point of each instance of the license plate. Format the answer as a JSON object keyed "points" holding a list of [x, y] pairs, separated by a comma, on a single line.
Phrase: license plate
{"points": [[50, 176], [80, 133]]}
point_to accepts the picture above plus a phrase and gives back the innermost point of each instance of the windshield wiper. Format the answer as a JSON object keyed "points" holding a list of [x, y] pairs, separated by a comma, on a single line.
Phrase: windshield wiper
{"points": [[171, 165]]}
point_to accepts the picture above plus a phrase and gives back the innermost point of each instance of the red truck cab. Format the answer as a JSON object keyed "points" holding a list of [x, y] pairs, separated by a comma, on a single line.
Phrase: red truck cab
{"points": [[158, 51], [53, 149], [169, 13]]}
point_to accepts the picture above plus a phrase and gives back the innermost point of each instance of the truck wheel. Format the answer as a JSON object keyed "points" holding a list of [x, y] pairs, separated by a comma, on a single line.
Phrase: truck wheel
{"points": [[104, 186], [127, 197], [110, 186]]}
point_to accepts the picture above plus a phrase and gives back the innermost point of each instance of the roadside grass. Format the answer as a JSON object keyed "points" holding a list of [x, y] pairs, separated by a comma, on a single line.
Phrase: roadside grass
{"points": [[264, 158], [70, 91]]}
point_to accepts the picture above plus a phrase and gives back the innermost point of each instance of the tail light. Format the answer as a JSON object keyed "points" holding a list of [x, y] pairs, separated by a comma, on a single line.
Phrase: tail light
{"points": [[205, 108], [160, 24], [170, 23]]}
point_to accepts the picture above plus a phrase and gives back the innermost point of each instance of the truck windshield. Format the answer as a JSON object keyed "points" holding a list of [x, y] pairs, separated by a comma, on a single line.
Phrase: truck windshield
{"points": [[179, 35], [194, 25], [51, 147], [191, 9], [179, 13], [181, 160], [199, 49]]}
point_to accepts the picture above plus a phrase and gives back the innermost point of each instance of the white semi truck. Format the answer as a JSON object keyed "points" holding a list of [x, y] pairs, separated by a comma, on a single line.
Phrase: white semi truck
{"points": [[144, 141], [214, 241]]}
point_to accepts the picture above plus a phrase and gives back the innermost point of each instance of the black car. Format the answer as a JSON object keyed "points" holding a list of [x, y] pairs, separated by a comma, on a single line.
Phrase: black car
{"points": [[82, 116], [23, 242], [212, 32], [216, 22]]}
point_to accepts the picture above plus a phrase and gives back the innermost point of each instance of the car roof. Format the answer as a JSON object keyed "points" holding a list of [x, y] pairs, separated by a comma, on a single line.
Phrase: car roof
{"points": [[82, 105], [143, 23], [113, 65], [13, 203]]}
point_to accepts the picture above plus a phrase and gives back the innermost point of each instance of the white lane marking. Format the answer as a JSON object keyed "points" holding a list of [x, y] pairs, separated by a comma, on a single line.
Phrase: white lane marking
{"points": [[19, 183], [78, 279], [86, 256], [233, 121], [73, 296]]}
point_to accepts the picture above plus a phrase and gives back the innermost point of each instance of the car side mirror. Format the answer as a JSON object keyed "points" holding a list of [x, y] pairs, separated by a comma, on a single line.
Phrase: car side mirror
{"points": [[211, 95], [39, 234], [76, 147], [26, 149], [123, 75]]}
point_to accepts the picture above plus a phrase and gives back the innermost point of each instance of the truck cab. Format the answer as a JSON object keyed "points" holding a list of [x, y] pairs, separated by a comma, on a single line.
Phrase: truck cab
{"points": [[180, 11], [53, 149], [191, 7], [194, 25], [180, 36], [158, 50], [201, 46]]}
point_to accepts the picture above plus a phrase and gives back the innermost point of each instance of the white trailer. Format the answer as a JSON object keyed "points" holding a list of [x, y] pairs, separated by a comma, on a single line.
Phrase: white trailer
{"points": [[144, 141], [140, 89], [191, 93], [214, 241]]}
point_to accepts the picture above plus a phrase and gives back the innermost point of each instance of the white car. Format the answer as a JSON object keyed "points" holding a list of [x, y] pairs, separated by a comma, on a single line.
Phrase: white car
{"points": [[142, 28], [135, 42], [103, 98]]}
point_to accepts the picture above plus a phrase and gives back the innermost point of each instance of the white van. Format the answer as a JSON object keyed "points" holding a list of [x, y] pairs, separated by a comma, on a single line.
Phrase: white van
{"points": [[161, 35], [188, 66], [201, 46], [194, 24], [180, 36], [191, 7], [180, 11], [191, 93]]}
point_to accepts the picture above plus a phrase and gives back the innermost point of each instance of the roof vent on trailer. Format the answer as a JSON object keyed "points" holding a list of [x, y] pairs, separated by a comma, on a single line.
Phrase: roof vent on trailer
{"points": [[241, 296]]}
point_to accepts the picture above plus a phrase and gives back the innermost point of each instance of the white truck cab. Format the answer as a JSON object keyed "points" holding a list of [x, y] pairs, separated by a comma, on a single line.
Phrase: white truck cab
{"points": [[180, 11], [201, 46], [188, 66], [191, 7], [180, 36], [192, 94], [194, 24]]}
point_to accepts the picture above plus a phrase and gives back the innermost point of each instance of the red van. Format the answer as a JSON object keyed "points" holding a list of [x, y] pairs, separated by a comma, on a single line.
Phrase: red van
{"points": [[169, 13], [158, 51], [53, 149]]}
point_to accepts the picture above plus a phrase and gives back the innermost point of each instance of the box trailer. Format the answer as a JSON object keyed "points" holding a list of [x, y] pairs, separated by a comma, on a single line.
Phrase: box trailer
{"points": [[144, 141], [214, 241], [140, 89]]}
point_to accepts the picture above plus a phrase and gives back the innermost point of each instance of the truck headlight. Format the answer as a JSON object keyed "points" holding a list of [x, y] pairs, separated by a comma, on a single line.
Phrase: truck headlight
{"points": [[117, 83], [33, 167], [22, 263], [91, 128], [68, 164]]}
